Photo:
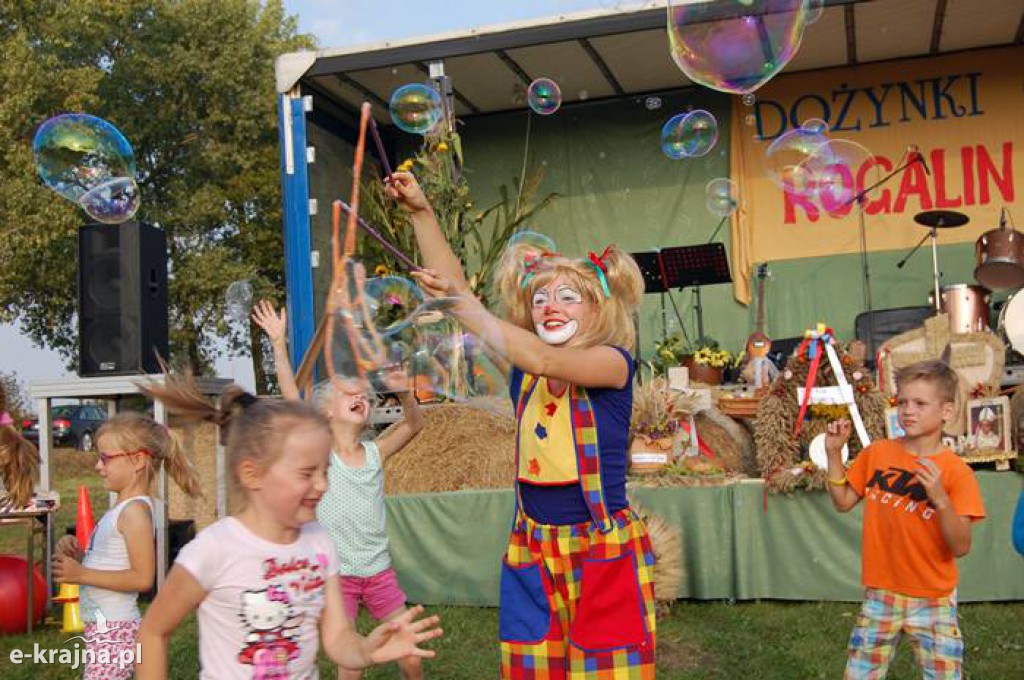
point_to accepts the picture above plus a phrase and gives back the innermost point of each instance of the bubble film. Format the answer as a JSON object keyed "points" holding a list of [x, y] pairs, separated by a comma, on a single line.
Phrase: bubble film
{"points": [[535, 239], [735, 45], [450, 363], [76, 153], [838, 171], [415, 108], [787, 157], [112, 202], [391, 300], [544, 96], [721, 196], [689, 134], [238, 300]]}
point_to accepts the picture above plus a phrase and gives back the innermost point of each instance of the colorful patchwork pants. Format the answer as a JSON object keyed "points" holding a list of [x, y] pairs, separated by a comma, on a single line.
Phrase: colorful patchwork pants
{"points": [[931, 624], [578, 604]]}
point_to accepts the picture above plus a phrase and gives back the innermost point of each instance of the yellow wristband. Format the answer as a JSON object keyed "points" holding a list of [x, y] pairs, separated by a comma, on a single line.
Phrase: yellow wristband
{"points": [[838, 482]]}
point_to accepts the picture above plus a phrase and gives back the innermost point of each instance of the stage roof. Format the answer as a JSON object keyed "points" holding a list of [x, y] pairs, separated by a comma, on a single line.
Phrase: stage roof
{"points": [[602, 54]]}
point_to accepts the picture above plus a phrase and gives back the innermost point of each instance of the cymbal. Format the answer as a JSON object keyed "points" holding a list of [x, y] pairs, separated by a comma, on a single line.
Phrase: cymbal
{"points": [[941, 219]]}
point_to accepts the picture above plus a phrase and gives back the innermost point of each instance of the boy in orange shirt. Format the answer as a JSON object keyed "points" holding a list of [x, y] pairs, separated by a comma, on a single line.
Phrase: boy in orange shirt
{"points": [[920, 502]]}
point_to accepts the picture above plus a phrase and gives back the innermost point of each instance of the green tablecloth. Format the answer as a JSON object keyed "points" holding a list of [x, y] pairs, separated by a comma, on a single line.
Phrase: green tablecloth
{"points": [[447, 547]]}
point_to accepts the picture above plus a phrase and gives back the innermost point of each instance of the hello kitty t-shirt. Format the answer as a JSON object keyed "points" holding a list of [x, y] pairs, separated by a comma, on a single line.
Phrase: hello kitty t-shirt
{"points": [[261, 615]]}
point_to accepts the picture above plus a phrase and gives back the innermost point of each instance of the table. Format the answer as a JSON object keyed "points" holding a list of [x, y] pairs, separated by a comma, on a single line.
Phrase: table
{"points": [[447, 547], [39, 524]]}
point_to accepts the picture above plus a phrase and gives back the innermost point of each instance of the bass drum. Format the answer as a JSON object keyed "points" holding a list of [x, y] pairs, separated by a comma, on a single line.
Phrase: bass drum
{"points": [[967, 307], [1011, 322]]}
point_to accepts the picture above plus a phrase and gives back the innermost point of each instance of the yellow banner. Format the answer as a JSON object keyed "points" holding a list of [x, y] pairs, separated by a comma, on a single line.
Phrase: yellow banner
{"points": [[961, 114]]}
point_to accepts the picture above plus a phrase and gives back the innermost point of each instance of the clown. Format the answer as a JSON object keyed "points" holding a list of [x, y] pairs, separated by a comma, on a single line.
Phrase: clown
{"points": [[577, 590]]}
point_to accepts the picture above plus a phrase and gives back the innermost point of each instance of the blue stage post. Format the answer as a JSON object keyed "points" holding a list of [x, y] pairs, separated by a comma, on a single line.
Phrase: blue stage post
{"points": [[297, 238]]}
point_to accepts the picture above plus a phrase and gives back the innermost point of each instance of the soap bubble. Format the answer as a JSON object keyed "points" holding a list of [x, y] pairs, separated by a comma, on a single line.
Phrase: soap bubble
{"points": [[87, 160], [721, 196], [735, 45], [415, 108], [238, 300], [689, 134], [544, 96]]}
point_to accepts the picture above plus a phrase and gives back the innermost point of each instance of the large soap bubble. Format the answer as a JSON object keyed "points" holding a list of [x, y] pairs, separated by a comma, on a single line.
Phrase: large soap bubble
{"points": [[788, 156], [689, 135], [415, 108], [88, 161], [721, 196], [735, 45]]}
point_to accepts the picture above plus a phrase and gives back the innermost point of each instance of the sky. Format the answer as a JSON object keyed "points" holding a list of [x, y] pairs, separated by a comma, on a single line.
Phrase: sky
{"points": [[336, 24]]}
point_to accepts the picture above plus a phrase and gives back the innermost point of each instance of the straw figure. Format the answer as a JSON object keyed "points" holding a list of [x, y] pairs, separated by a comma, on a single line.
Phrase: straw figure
{"points": [[781, 457]]}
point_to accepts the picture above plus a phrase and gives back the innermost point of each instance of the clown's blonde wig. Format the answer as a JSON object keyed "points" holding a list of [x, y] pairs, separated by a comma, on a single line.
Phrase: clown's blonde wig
{"points": [[523, 269]]}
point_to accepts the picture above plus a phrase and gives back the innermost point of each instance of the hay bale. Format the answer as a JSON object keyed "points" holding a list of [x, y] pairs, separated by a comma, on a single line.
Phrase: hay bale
{"points": [[667, 544], [200, 444], [731, 442], [468, 445]]}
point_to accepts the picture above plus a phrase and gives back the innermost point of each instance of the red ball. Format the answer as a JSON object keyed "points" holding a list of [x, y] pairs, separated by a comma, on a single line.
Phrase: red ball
{"points": [[14, 594]]}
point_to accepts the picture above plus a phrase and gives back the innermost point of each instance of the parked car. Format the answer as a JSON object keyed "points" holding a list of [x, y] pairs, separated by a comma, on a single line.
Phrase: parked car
{"points": [[73, 425]]}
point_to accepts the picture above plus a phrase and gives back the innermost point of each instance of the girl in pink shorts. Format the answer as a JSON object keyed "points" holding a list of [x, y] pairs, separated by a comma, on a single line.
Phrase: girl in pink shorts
{"points": [[352, 509]]}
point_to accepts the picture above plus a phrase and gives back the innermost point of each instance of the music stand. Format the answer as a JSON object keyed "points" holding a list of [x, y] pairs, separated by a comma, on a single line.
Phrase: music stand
{"points": [[696, 266]]}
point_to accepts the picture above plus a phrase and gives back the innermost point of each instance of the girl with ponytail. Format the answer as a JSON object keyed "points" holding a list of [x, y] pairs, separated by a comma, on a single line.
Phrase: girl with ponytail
{"points": [[120, 560]]}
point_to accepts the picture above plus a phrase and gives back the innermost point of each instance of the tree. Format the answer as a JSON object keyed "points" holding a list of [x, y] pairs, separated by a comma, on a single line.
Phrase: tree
{"points": [[13, 397], [190, 83]]}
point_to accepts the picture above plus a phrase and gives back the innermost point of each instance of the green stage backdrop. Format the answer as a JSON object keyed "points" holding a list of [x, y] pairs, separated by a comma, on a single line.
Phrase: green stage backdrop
{"points": [[447, 547], [604, 161]]}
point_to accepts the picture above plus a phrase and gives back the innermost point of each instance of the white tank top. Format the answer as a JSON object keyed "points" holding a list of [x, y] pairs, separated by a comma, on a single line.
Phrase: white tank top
{"points": [[109, 552]]}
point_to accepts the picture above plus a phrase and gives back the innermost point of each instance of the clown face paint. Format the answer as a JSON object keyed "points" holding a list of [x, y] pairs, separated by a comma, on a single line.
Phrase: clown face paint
{"points": [[558, 310]]}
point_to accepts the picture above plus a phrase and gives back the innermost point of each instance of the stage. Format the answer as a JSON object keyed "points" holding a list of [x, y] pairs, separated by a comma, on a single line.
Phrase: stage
{"points": [[447, 547]]}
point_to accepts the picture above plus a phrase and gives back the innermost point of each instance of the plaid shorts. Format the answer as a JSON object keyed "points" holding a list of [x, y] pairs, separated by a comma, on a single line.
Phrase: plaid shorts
{"points": [[931, 624], [577, 604]]}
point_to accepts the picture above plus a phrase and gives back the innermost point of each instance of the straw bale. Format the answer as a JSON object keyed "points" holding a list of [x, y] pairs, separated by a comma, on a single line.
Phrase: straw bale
{"points": [[1016, 414], [467, 445], [667, 544], [731, 443], [200, 444]]}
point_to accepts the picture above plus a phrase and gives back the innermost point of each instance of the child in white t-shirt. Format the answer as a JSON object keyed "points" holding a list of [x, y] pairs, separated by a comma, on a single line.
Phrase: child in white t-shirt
{"points": [[352, 509], [264, 580]]}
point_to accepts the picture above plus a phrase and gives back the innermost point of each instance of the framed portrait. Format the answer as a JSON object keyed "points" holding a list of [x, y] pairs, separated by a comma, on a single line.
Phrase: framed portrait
{"points": [[893, 429], [989, 425]]}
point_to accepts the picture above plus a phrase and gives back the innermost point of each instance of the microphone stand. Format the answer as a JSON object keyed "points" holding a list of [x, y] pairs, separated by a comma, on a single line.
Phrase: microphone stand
{"points": [[860, 198]]}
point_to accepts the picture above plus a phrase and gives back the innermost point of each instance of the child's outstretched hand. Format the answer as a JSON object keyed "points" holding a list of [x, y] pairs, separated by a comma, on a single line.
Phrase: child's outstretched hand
{"points": [[397, 380], [403, 187], [274, 324], [837, 433], [402, 636]]}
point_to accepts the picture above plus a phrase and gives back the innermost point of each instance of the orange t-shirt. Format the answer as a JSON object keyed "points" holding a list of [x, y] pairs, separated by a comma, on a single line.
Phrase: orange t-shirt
{"points": [[903, 549]]}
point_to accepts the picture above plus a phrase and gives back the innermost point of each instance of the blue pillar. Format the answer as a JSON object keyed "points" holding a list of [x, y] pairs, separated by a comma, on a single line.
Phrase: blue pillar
{"points": [[297, 238]]}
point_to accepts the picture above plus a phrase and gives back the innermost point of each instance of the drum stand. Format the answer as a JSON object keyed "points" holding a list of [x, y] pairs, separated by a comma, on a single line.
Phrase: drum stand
{"points": [[933, 235]]}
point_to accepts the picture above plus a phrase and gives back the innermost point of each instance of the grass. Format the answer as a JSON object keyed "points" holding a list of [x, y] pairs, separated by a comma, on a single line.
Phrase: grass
{"points": [[696, 641]]}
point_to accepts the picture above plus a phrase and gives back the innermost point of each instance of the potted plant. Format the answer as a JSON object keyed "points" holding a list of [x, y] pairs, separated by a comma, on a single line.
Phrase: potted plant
{"points": [[653, 427], [706, 361]]}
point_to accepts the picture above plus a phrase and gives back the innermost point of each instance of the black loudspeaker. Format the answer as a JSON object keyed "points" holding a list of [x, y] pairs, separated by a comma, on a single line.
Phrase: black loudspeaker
{"points": [[122, 299], [875, 327]]}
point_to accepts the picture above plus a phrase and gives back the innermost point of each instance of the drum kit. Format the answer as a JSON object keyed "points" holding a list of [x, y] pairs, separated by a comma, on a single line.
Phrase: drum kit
{"points": [[999, 256]]}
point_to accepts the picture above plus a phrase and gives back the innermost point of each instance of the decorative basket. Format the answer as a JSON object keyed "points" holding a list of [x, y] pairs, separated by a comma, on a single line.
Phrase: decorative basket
{"points": [[648, 456]]}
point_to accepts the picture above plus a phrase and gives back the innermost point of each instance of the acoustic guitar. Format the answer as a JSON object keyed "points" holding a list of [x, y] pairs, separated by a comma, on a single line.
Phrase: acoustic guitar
{"points": [[759, 344]]}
